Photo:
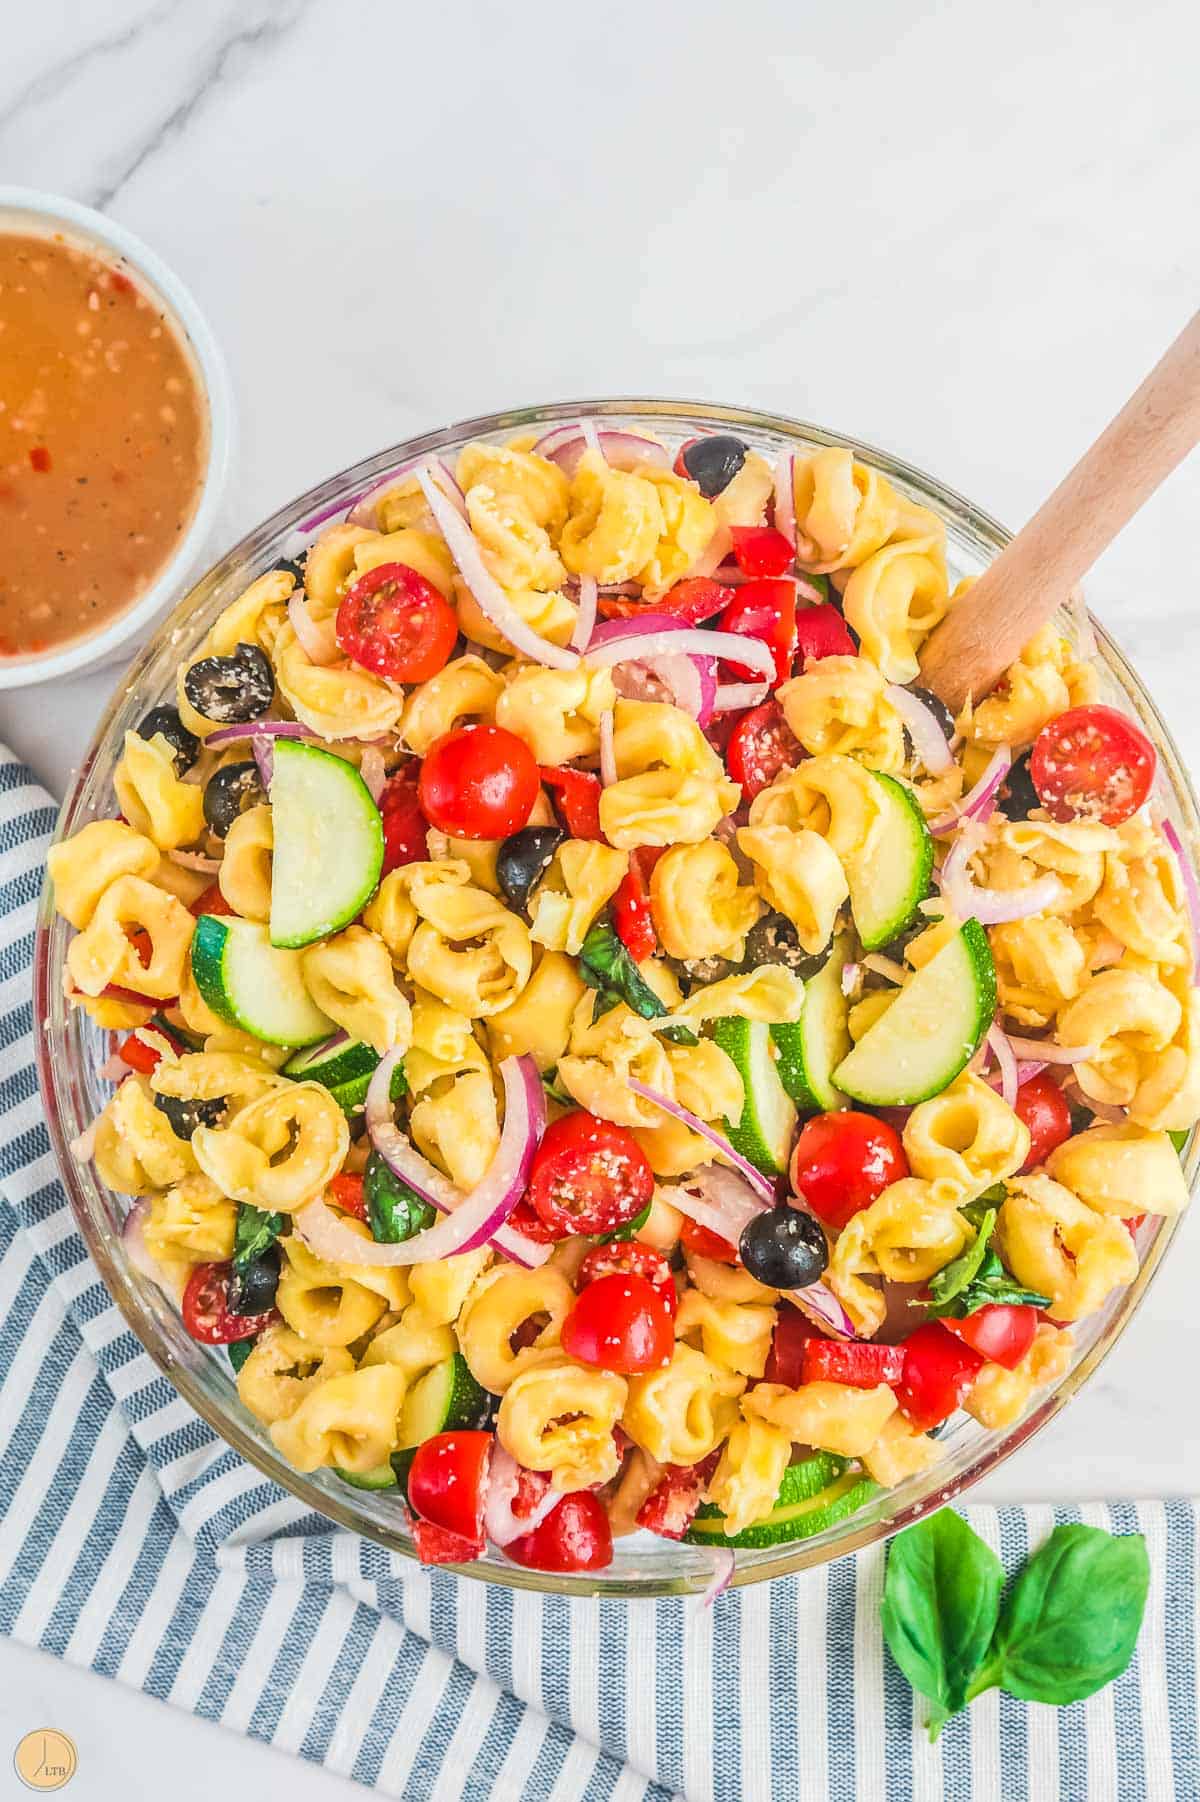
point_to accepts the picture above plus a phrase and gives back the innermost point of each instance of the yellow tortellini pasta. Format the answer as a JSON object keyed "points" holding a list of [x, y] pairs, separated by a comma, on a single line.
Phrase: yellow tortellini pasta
{"points": [[839, 705], [193, 1220], [770, 992], [351, 1422], [663, 807], [104, 952], [548, 612], [1056, 1244], [899, 1452], [557, 712], [441, 1286], [136, 1149], [747, 1478], [283, 1369], [468, 948], [245, 873], [615, 522], [1130, 1017], [539, 484], [998, 1397], [279, 1151], [800, 875], [830, 795], [455, 1123], [604, 1055], [1141, 901], [894, 599], [832, 1416], [582, 876], [516, 550], [905, 1236], [539, 1020], [152, 797], [255, 617], [735, 1335], [83, 866], [464, 692], [1035, 689], [699, 904], [964, 1140], [350, 978], [844, 510], [688, 524], [705, 1080], [505, 1300], [322, 1302], [1040, 966], [682, 1413], [559, 1417], [415, 1343], [1121, 1168], [329, 566], [423, 551], [335, 700]]}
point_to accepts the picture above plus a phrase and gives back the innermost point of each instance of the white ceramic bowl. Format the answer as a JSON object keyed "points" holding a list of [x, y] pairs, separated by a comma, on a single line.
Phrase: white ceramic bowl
{"points": [[25, 209]]}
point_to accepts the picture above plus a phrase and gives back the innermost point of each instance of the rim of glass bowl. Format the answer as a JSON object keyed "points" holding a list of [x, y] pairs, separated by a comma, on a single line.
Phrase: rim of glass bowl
{"points": [[65, 1071]]}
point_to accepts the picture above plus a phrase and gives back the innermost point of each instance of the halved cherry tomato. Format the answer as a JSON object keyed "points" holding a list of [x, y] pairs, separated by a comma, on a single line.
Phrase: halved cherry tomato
{"points": [[574, 1536], [206, 1313], [705, 1243], [761, 550], [789, 1341], [478, 782], [842, 1162], [1045, 1110], [576, 795], [394, 622], [1091, 763], [859, 1364], [347, 1193], [631, 905], [822, 632], [436, 1546], [670, 1508], [694, 599], [939, 1368], [761, 746], [447, 1481], [629, 1257], [212, 901], [620, 1323], [404, 826], [764, 609], [588, 1176], [524, 1219], [1001, 1332]]}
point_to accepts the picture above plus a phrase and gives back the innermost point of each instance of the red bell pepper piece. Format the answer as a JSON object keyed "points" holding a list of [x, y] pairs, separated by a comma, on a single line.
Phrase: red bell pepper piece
{"points": [[792, 1336], [706, 1244], [670, 1508], [577, 797], [861, 1365], [694, 599], [404, 825], [212, 901], [347, 1193], [436, 1546], [764, 609], [631, 905], [138, 1055], [822, 632], [761, 550], [938, 1370], [1001, 1332]]}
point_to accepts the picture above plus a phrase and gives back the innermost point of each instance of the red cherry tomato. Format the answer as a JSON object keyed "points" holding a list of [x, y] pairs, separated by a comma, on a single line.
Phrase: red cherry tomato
{"points": [[1092, 763], [629, 1257], [478, 782], [631, 910], [764, 609], [395, 623], [138, 1055], [206, 1312], [588, 1176], [861, 1365], [785, 1360], [761, 550], [212, 901], [447, 1481], [694, 599], [1001, 1332], [576, 796], [404, 828], [523, 1219], [939, 1368], [842, 1162], [620, 1323], [671, 1505], [1043, 1107], [347, 1193], [574, 1536], [705, 1243], [761, 746], [436, 1546], [822, 632]]}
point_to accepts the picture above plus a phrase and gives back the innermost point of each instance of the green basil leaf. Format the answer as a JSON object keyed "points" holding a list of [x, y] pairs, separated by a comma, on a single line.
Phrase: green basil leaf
{"points": [[630, 1230], [606, 966], [239, 1350], [961, 1271], [554, 1088], [995, 1285], [1071, 1621], [395, 1211], [1178, 1135], [679, 1034], [254, 1233], [941, 1599]]}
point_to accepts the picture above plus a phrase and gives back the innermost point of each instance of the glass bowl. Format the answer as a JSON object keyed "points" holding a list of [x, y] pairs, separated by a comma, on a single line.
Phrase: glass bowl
{"points": [[71, 1049]]}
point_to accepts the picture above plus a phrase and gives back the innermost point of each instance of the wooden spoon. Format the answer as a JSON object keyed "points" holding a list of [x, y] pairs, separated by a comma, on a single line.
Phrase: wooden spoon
{"points": [[1154, 431]]}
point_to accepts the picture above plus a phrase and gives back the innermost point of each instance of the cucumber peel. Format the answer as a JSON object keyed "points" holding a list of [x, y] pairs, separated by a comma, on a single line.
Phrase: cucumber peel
{"points": [[815, 1494], [888, 885], [766, 1126], [254, 985], [328, 843], [810, 1048]]}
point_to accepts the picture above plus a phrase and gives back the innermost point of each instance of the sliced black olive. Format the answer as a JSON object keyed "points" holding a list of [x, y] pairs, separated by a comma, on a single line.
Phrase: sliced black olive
{"points": [[231, 690], [292, 566], [713, 462], [165, 722], [230, 791], [186, 1115], [773, 940], [523, 859], [936, 706], [784, 1248], [1017, 796], [695, 971], [252, 1288]]}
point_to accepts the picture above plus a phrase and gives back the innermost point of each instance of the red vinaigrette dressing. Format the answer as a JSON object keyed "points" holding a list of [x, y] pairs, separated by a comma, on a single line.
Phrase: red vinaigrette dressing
{"points": [[103, 440]]}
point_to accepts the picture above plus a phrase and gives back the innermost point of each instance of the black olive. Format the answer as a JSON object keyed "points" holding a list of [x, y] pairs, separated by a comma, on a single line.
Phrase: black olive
{"points": [[694, 970], [252, 1289], [186, 1115], [713, 462], [523, 860], [165, 722], [1017, 796], [936, 706], [292, 566], [231, 690], [784, 1248], [230, 791], [773, 940]]}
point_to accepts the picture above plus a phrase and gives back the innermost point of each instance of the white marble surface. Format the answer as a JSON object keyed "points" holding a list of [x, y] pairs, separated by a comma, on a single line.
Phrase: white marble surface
{"points": [[964, 236]]}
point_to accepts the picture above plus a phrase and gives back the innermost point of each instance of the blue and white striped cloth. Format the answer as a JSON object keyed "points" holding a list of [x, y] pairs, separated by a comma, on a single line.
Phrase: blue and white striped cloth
{"points": [[133, 1541]]}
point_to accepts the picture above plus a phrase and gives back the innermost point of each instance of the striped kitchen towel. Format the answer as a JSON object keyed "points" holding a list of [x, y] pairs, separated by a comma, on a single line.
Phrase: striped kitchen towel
{"points": [[133, 1541]]}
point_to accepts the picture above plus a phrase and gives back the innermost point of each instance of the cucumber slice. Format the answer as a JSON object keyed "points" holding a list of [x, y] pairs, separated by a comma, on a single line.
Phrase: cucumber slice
{"points": [[328, 843], [811, 1048], [351, 1096], [253, 984], [446, 1398], [767, 1126], [931, 1030], [382, 1477], [815, 1494], [346, 1061], [887, 887]]}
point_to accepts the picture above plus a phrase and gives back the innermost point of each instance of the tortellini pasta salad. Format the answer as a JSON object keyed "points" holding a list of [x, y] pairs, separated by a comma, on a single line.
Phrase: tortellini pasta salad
{"points": [[596, 1044]]}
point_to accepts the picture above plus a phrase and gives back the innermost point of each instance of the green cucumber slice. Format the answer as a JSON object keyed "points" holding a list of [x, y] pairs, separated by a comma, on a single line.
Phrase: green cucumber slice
{"points": [[811, 1048], [351, 1096], [347, 1060], [887, 887], [815, 1494], [382, 1477], [446, 1398], [328, 843], [767, 1125], [253, 984], [931, 1030]]}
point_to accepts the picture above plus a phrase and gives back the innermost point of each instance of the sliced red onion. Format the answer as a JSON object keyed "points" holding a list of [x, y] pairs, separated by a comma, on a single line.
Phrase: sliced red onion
{"points": [[785, 496], [1103, 1110], [1027, 1071], [1050, 1053], [318, 519], [590, 436], [622, 450], [723, 1565], [373, 772], [979, 1059], [113, 1069], [500, 1524], [585, 619], [733, 697], [979, 802], [754, 1177], [1006, 1058], [690, 678], [823, 1308], [317, 641], [885, 966], [988, 905], [259, 729], [1191, 888], [718, 1199], [608, 756], [651, 637], [812, 594], [483, 585], [133, 1239], [365, 511], [929, 741], [195, 860], [851, 978]]}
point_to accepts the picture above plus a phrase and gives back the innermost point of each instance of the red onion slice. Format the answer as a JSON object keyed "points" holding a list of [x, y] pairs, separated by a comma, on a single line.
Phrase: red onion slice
{"points": [[990, 906], [929, 741], [133, 1240], [195, 860], [1048, 1052], [718, 1199], [483, 585], [978, 804], [1191, 888], [608, 756], [735, 697], [820, 1305], [851, 978], [690, 679], [113, 1069], [365, 511], [755, 1178], [500, 1524], [318, 641], [785, 496], [622, 450], [585, 619], [696, 641], [373, 772], [723, 1565], [1006, 1058]]}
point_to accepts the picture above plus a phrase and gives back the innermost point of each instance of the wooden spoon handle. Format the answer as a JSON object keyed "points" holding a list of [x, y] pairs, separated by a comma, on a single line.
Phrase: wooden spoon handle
{"points": [[1154, 431]]}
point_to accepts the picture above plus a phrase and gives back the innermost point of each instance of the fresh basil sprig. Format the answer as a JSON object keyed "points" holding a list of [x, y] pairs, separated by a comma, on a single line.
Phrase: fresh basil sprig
{"points": [[254, 1234], [977, 1278], [1068, 1625], [607, 967]]}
